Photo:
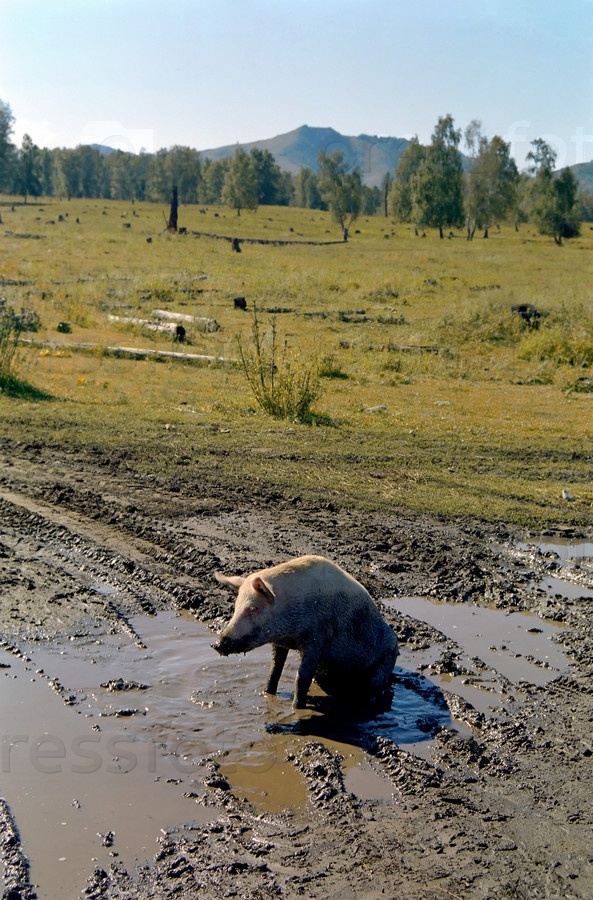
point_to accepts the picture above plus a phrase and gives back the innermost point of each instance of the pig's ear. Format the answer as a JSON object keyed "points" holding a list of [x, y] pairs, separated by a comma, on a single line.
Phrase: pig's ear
{"points": [[232, 580], [262, 589]]}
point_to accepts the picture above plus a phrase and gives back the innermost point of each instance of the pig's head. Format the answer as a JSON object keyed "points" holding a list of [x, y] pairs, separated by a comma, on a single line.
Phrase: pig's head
{"points": [[250, 626]]}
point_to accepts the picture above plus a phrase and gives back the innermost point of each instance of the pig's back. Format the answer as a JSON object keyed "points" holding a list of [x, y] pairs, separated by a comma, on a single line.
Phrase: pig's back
{"points": [[325, 604]]}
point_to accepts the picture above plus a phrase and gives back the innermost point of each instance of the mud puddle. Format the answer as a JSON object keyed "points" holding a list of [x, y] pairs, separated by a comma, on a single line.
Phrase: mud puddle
{"points": [[571, 556], [564, 549], [85, 786], [496, 650], [108, 740], [564, 589]]}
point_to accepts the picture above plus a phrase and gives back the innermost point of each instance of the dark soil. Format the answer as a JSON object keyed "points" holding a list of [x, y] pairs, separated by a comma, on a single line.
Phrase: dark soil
{"points": [[504, 810]]}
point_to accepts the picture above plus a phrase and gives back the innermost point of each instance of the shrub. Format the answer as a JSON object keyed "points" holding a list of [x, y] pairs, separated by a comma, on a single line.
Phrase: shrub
{"points": [[283, 386], [11, 327], [490, 322], [329, 368], [558, 346]]}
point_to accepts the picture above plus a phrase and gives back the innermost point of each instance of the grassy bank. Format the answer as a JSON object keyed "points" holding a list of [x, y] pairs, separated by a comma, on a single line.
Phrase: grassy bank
{"points": [[437, 396]]}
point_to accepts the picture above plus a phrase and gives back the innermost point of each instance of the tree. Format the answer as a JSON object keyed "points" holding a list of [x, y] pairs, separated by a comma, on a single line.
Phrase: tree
{"points": [[240, 185], [438, 184], [491, 184], [372, 199], [183, 168], [47, 168], [384, 190], [554, 203], [93, 181], [271, 185], [121, 182], [541, 156], [6, 146], [213, 176], [28, 178], [70, 165], [585, 201], [158, 184], [128, 174], [306, 190], [341, 190], [401, 193]]}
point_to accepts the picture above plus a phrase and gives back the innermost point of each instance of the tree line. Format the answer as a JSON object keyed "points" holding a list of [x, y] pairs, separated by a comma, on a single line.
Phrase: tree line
{"points": [[432, 186], [243, 181]]}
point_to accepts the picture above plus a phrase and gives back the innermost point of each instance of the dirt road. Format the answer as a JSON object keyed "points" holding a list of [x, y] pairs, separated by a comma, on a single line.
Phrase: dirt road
{"points": [[490, 795]]}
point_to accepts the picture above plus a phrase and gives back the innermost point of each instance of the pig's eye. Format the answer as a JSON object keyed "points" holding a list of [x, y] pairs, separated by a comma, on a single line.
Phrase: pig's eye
{"points": [[252, 610]]}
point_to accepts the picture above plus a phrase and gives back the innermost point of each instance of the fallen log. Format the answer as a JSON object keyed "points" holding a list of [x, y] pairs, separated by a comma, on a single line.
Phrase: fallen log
{"points": [[161, 327], [235, 241], [203, 323], [130, 352]]}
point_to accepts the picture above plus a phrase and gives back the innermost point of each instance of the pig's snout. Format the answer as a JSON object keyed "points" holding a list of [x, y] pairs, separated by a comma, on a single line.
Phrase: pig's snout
{"points": [[219, 646], [227, 644]]}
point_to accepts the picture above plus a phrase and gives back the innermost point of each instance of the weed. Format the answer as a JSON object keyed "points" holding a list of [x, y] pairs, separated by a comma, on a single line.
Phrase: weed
{"points": [[329, 368], [283, 386], [12, 326], [491, 322]]}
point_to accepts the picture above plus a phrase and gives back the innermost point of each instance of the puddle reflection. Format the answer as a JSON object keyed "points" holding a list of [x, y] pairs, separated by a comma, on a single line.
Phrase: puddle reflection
{"points": [[562, 548], [516, 645], [416, 712], [135, 728]]}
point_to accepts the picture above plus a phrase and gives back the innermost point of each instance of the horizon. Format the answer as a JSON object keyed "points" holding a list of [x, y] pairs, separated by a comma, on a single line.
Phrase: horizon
{"points": [[203, 77]]}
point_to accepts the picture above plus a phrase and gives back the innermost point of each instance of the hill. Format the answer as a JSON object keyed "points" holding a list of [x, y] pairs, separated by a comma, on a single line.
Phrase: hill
{"points": [[583, 173], [296, 149]]}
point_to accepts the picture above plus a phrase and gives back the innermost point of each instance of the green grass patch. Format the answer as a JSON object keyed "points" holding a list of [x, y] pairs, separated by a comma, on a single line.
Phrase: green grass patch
{"points": [[426, 392]]}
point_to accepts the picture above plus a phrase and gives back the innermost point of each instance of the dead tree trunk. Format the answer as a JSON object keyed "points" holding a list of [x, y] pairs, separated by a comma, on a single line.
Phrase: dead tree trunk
{"points": [[173, 214]]}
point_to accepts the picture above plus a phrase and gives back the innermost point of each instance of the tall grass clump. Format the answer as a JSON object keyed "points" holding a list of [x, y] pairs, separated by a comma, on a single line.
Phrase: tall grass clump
{"points": [[488, 322], [12, 325], [283, 385], [566, 338]]}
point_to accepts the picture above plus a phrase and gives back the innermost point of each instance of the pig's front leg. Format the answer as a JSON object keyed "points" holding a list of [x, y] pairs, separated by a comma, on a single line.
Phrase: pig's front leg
{"points": [[307, 669], [279, 655]]}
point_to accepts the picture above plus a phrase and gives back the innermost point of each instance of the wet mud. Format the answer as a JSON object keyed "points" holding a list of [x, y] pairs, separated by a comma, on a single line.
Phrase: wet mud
{"points": [[136, 762]]}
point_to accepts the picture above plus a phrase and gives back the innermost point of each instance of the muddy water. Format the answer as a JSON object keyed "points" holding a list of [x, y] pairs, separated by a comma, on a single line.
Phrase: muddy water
{"points": [[513, 647], [83, 785], [564, 549], [563, 588], [102, 739], [578, 552]]}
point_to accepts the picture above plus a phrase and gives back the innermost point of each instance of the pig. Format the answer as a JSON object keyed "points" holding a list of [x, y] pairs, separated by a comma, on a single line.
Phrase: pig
{"points": [[311, 605]]}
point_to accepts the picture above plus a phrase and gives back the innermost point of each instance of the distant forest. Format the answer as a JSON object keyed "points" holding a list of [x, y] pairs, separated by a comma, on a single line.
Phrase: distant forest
{"points": [[431, 186]]}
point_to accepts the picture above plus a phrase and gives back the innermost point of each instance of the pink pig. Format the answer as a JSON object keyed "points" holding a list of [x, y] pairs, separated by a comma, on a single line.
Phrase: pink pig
{"points": [[311, 605]]}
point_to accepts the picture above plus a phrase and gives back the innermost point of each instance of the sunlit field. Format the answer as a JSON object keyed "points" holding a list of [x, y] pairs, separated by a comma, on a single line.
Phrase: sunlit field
{"points": [[437, 396]]}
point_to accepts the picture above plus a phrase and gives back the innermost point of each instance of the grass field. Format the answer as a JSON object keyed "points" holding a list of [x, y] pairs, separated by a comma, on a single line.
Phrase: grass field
{"points": [[492, 419]]}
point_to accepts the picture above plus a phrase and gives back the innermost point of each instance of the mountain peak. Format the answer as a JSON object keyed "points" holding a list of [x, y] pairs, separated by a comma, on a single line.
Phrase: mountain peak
{"points": [[298, 149]]}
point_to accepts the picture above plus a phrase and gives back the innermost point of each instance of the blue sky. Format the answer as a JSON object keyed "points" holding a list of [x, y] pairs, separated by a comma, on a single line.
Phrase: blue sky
{"points": [[203, 73]]}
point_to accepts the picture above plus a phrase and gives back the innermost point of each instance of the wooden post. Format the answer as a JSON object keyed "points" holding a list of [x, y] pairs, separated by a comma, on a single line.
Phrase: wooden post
{"points": [[172, 223]]}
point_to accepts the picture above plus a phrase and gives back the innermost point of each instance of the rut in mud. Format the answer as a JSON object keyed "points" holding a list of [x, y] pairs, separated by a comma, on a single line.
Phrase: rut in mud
{"points": [[136, 762]]}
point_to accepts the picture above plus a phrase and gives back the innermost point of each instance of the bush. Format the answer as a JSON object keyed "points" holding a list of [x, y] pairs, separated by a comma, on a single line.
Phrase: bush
{"points": [[328, 368], [566, 338], [283, 386], [484, 322], [557, 346], [12, 326]]}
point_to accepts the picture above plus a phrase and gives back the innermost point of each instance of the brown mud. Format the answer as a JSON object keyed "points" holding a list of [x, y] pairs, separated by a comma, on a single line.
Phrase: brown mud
{"points": [[137, 763]]}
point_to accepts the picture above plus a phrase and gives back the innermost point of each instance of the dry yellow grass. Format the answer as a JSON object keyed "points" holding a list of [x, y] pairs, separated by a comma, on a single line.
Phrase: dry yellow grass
{"points": [[488, 426]]}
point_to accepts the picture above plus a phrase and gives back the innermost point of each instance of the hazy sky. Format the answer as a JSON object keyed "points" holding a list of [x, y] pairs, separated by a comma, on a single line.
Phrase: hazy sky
{"points": [[203, 73]]}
